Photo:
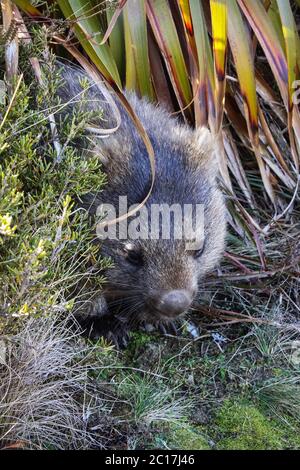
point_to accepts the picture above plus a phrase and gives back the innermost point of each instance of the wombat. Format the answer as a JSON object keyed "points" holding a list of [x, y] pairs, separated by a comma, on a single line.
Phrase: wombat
{"points": [[153, 279]]}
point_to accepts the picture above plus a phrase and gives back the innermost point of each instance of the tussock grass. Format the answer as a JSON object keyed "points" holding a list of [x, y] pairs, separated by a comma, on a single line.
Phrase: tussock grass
{"points": [[152, 402], [281, 397], [45, 397]]}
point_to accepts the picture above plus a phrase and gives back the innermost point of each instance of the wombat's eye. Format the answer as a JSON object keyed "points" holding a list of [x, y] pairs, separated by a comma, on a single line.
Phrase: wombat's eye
{"points": [[197, 253], [133, 254]]}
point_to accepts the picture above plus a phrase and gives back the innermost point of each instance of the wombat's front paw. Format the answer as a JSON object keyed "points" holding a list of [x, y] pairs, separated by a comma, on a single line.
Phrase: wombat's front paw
{"points": [[169, 328]]}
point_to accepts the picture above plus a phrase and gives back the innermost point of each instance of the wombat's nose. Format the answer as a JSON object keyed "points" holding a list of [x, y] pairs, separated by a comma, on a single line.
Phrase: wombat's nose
{"points": [[174, 302]]}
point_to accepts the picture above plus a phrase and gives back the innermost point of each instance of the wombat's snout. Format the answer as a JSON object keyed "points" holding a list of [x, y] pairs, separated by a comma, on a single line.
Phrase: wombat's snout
{"points": [[173, 303]]}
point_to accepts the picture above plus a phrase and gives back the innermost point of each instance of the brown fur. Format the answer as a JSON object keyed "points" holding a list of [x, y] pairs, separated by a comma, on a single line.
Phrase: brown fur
{"points": [[186, 172]]}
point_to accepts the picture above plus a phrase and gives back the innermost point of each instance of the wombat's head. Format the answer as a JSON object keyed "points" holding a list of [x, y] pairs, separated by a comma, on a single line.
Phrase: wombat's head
{"points": [[174, 241]]}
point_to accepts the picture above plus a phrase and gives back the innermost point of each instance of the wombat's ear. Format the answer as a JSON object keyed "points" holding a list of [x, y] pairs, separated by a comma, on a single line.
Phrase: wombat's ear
{"points": [[205, 150], [205, 143], [201, 146]]}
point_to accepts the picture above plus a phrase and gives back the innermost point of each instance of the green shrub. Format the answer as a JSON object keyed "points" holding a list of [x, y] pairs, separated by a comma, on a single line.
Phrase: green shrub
{"points": [[45, 243]]}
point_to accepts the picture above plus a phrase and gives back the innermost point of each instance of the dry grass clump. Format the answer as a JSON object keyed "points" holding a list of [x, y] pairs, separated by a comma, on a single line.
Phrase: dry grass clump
{"points": [[46, 397]]}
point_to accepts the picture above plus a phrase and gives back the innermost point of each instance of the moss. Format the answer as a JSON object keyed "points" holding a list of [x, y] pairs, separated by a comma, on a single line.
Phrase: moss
{"points": [[244, 427], [186, 437]]}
